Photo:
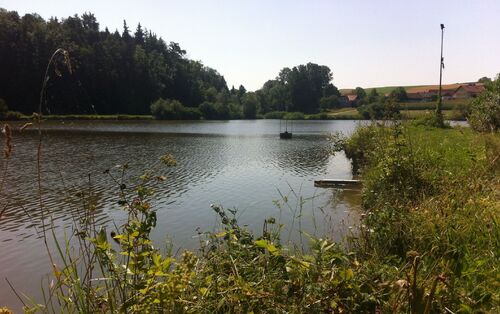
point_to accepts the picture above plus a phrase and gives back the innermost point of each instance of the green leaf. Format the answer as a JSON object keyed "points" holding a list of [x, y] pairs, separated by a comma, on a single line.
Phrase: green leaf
{"points": [[265, 244]]}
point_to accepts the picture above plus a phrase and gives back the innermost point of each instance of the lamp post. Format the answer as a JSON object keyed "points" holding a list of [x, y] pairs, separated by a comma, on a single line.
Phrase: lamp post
{"points": [[439, 113]]}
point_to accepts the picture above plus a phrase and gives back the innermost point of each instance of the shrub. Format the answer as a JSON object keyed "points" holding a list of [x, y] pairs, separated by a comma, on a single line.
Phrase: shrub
{"points": [[317, 116], [275, 115], [373, 110], [250, 105], [329, 102], [430, 121], [12, 115], [208, 110], [484, 111], [387, 109], [167, 109], [218, 111], [294, 116]]}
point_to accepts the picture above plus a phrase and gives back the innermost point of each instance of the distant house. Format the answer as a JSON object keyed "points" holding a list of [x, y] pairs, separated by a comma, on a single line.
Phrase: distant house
{"points": [[446, 93], [468, 91], [352, 100], [451, 91]]}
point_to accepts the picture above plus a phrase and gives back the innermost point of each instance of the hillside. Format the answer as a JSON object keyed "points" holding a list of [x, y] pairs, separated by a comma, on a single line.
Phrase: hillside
{"points": [[411, 88]]}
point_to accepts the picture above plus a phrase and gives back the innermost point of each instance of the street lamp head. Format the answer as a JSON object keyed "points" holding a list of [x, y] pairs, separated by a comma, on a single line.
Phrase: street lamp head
{"points": [[442, 26]]}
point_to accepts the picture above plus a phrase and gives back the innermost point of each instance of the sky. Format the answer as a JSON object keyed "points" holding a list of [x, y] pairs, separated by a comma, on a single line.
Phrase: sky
{"points": [[365, 43]]}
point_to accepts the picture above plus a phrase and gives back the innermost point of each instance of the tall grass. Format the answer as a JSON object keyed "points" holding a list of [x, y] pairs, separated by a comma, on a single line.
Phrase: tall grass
{"points": [[432, 212]]}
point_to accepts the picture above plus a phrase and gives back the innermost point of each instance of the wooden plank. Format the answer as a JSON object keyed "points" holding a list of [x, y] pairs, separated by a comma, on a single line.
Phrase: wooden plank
{"points": [[337, 183]]}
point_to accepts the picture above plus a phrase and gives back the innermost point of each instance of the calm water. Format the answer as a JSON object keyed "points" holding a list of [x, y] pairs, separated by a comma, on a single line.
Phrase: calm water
{"points": [[238, 164]]}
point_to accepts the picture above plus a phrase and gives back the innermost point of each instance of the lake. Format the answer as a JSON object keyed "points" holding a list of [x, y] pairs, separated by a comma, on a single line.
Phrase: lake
{"points": [[237, 164]]}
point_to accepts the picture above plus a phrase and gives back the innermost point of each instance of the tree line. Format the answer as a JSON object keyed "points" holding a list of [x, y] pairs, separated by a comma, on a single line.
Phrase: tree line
{"points": [[136, 72], [111, 72]]}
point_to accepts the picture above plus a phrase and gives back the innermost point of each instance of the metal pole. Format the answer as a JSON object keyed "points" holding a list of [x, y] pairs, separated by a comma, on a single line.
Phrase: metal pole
{"points": [[439, 113]]}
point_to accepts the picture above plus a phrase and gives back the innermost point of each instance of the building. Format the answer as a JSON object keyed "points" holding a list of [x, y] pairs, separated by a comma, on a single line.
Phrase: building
{"points": [[451, 91], [468, 91], [352, 99]]}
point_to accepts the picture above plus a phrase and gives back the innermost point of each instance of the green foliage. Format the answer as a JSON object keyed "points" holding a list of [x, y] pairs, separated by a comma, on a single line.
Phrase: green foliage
{"points": [[373, 96], [298, 89], [318, 116], [484, 80], [398, 94], [250, 104], [329, 102], [218, 111], [112, 73], [431, 105], [294, 116], [167, 109], [379, 107], [431, 212], [483, 114], [430, 121], [360, 92], [12, 116], [275, 115]]}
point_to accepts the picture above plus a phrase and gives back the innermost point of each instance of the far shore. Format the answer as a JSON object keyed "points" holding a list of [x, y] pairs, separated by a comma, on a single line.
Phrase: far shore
{"points": [[337, 114]]}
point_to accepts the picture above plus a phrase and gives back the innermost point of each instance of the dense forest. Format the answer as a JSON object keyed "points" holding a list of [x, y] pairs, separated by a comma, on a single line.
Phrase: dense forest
{"points": [[112, 72], [126, 72]]}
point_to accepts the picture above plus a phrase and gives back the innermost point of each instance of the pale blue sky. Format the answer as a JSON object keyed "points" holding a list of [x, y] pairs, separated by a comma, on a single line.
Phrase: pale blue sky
{"points": [[365, 43]]}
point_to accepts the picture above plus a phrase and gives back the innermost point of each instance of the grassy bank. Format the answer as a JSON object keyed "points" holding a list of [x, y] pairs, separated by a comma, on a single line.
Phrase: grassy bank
{"points": [[422, 110], [95, 117], [16, 116], [416, 114], [432, 204]]}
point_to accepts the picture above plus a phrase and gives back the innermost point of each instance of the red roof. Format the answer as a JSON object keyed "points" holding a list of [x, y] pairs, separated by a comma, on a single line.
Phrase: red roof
{"points": [[473, 89], [352, 97]]}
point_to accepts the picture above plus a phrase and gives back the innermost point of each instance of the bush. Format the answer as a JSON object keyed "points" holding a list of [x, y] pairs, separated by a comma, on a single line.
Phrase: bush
{"points": [[317, 116], [484, 111], [294, 116], [219, 111], [373, 110], [275, 115], [12, 115], [168, 109], [430, 121], [329, 102], [208, 110], [388, 109], [250, 105]]}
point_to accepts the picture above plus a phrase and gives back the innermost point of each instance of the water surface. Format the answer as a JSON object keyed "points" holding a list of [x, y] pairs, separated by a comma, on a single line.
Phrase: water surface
{"points": [[238, 164]]}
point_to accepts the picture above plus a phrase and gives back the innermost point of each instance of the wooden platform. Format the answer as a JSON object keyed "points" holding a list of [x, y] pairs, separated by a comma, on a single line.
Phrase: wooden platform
{"points": [[338, 183]]}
